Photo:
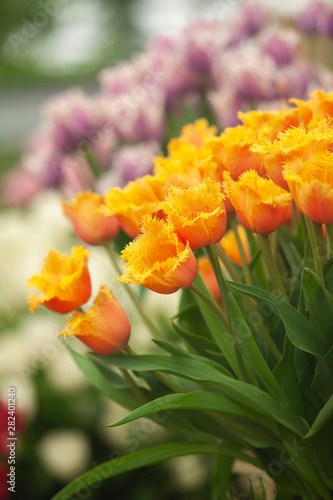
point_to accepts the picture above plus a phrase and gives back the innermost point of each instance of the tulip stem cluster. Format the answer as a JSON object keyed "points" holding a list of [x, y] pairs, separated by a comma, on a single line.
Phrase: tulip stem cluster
{"points": [[227, 264], [248, 302], [273, 272], [316, 253], [238, 353], [323, 250], [214, 307]]}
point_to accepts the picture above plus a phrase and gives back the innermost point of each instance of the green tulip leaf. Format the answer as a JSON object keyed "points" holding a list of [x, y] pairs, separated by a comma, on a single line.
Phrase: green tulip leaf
{"points": [[301, 332]]}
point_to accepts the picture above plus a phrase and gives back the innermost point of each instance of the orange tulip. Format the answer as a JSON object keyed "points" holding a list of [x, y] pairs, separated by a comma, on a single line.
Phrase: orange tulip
{"points": [[232, 152], [230, 248], [261, 206], [321, 104], [158, 260], [229, 208], [179, 171], [293, 143], [273, 122], [197, 213], [130, 204], [104, 327], [311, 185], [91, 227], [187, 166], [193, 134], [64, 281]]}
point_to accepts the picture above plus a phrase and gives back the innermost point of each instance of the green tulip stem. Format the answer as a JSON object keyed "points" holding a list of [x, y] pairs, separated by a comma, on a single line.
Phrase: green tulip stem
{"points": [[246, 269], [329, 232], [93, 164], [137, 391], [321, 243], [214, 307], [251, 306], [227, 263], [269, 260], [314, 247]]}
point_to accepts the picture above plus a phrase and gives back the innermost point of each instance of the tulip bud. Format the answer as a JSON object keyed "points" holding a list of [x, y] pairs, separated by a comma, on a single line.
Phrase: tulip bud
{"points": [[104, 327]]}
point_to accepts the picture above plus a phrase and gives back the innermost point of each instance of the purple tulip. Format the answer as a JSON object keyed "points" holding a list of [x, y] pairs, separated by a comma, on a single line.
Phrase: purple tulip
{"points": [[120, 79], [135, 161], [203, 40], [308, 19], [163, 67], [325, 21], [282, 45], [253, 16], [292, 80], [135, 117], [71, 117], [247, 71], [225, 106]]}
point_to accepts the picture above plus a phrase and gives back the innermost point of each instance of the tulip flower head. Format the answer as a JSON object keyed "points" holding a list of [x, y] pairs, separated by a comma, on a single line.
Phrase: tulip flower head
{"points": [[187, 166], [296, 142], [130, 204], [321, 103], [195, 133], [274, 122], [64, 282], [275, 153], [261, 205], [157, 259], [91, 227], [311, 184], [197, 213], [104, 327], [232, 151]]}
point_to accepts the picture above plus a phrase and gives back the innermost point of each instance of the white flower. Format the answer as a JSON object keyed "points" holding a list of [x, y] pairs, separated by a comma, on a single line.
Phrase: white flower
{"points": [[65, 453]]}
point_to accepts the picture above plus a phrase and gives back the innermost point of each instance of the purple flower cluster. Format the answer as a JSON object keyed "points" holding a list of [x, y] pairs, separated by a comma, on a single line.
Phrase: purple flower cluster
{"points": [[317, 18], [227, 65]]}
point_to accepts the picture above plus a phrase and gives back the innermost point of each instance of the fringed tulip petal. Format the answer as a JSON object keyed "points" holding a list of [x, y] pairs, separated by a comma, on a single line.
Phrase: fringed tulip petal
{"points": [[158, 260], [64, 282], [104, 327], [261, 206], [197, 213], [311, 184]]}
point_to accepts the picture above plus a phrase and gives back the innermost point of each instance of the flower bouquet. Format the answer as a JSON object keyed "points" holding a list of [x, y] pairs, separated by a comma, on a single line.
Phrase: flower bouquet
{"points": [[239, 224]]}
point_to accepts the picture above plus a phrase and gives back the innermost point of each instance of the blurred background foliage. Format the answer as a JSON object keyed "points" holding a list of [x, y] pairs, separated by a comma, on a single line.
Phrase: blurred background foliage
{"points": [[75, 39], [47, 46]]}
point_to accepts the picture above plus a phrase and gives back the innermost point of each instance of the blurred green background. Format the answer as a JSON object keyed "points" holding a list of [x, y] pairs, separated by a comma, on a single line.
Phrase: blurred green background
{"points": [[50, 45]]}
